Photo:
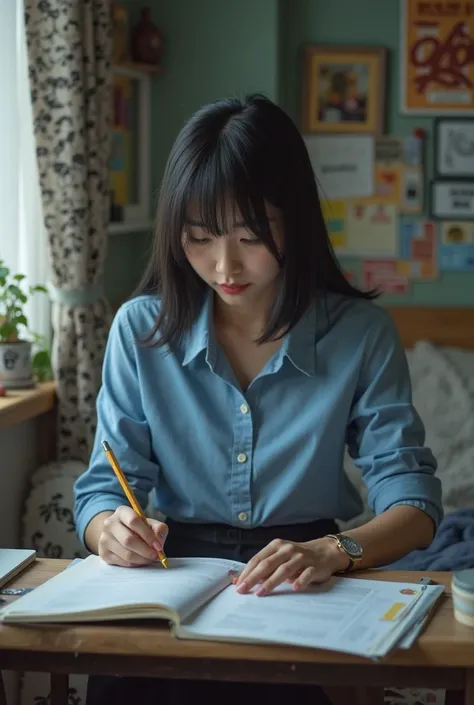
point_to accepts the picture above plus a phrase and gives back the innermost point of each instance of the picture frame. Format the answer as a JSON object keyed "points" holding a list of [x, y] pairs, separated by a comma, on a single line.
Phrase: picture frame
{"points": [[430, 82], [452, 199], [454, 147], [343, 89]]}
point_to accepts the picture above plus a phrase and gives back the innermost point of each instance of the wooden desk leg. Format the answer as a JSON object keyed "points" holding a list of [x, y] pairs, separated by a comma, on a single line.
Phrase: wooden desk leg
{"points": [[3, 696], [59, 688], [469, 687]]}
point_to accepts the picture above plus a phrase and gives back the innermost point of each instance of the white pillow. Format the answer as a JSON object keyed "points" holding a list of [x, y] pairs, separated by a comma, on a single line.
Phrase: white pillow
{"points": [[444, 398]]}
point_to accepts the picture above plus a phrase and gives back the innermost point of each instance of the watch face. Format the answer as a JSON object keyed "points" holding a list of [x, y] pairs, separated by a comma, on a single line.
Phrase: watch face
{"points": [[353, 548]]}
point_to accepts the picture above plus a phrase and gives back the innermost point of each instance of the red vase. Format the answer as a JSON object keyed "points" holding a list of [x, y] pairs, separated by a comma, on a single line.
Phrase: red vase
{"points": [[147, 40]]}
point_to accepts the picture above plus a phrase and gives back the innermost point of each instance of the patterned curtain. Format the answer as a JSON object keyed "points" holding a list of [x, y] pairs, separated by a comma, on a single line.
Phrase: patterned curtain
{"points": [[69, 48]]}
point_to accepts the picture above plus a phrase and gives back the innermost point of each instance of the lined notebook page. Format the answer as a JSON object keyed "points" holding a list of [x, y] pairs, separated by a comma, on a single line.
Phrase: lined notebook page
{"points": [[94, 586]]}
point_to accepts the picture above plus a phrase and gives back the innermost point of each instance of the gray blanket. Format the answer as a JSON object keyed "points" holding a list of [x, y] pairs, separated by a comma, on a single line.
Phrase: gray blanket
{"points": [[451, 549]]}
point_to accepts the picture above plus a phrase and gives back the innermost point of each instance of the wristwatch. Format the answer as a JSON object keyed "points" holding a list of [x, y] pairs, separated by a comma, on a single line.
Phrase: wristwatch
{"points": [[350, 547]]}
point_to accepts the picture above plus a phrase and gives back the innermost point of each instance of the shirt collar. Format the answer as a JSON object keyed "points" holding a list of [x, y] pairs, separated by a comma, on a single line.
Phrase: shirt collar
{"points": [[299, 346], [201, 335]]}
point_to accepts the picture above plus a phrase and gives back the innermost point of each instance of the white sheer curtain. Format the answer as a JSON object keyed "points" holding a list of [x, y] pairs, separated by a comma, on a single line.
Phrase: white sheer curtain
{"points": [[22, 234]]}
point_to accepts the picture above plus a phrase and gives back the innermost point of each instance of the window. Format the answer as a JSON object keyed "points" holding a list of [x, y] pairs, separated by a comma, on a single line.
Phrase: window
{"points": [[22, 235]]}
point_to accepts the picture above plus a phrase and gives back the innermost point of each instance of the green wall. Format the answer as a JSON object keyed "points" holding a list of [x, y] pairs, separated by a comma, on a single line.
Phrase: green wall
{"points": [[216, 48], [364, 22]]}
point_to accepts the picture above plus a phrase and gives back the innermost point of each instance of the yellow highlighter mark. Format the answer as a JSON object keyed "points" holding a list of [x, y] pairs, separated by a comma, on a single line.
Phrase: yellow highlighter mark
{"points": [[394, 610]]}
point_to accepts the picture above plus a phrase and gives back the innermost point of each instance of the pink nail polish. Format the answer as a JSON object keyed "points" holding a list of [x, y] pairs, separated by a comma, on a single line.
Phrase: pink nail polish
{"points": [[242, 588], [261, 592]]}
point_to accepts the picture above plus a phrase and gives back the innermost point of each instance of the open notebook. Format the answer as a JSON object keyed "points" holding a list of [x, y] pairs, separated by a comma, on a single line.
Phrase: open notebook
{"points": [[364, 617]]}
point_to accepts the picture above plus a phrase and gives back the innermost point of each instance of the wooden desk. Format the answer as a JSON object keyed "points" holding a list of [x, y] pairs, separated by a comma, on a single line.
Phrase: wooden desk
{"points": [[443, 656]]}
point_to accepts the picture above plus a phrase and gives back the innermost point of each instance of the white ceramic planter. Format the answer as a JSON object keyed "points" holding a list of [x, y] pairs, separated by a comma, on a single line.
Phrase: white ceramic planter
{"points": [[15, 365]]}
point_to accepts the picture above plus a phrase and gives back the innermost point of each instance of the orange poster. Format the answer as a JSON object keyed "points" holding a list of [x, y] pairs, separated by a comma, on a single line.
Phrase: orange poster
{"points": [[437, 57]]}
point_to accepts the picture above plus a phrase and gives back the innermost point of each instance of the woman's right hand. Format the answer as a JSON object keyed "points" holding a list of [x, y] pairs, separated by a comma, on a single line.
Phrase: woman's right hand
{"points": [[126, 541]]}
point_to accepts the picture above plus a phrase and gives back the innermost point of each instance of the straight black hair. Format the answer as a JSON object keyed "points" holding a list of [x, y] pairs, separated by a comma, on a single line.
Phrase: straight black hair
{"points": [[249, 152]]}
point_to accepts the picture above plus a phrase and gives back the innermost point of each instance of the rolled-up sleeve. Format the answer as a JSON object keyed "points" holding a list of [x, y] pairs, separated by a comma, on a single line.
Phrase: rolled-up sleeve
{"points": [[385, 433], [120, 421]]}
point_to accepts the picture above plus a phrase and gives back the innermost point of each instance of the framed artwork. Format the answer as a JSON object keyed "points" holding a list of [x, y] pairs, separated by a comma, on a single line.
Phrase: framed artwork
{"points": [[437, 70], [452, 199], [344, 89], [454, 147]]}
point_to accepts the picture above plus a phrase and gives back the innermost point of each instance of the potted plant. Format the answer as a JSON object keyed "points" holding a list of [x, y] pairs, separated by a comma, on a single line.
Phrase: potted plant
{"points": [[16, 341]]}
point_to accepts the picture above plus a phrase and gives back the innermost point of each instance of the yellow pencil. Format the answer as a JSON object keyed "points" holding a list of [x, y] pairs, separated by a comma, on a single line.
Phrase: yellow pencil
{"points": [[129, 492]]}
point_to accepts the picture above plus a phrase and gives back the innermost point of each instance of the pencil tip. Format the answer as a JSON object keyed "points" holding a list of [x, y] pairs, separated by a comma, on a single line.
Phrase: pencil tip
{"points": [[164, 563], [105, 445]]}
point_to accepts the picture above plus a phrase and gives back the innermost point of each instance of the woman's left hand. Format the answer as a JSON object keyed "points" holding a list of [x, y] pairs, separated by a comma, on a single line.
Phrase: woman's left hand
{"points": [[297, 563]]}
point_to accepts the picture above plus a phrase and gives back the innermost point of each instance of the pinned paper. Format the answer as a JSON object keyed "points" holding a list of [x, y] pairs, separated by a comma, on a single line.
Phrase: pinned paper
{"points": [[372, 230], [457, 232], [334, 214], [412, 191], [456, 258], [385, 276], [418, 248], [343, 165]]}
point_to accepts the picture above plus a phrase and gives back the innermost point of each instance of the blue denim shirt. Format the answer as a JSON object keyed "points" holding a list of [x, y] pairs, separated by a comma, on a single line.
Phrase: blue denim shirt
{"points": [[181, 425]]}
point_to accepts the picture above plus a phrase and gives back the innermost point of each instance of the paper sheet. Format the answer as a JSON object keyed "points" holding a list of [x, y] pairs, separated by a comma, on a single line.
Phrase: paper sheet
{"points": [[418, 248], [349, 615], [343, 165], [372, 230]]}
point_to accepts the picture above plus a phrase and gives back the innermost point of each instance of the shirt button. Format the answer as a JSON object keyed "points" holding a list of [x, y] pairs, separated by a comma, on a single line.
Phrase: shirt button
{"points": [[244, 408], [241, 458], [243, 516]]}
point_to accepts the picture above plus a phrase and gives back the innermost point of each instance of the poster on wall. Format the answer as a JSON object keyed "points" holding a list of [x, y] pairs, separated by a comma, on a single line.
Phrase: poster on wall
{"points": [[452, 200], [343, 164], [371, 230], [454, 147], [437, 57], [418, 248], [383, 274], [457, 232]]}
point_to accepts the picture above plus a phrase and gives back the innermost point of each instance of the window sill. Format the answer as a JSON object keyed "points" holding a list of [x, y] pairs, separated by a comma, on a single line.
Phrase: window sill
{"points": [[24, 404]]}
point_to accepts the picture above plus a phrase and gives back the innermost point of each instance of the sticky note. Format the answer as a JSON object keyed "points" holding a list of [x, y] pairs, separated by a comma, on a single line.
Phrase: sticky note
{"points": [[394, 610]]}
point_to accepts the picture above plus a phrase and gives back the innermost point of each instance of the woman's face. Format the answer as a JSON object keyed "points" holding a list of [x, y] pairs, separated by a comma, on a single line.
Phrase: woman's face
{"points": [[237, 265]]}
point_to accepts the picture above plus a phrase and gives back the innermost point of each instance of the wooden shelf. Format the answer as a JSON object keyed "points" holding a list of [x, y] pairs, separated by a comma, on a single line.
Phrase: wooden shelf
{"points": [[137, 70], [23, 404]]}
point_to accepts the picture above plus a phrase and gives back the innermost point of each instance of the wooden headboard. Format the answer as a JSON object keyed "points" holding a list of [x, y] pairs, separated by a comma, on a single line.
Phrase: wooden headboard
{"points": [[441, 326]]}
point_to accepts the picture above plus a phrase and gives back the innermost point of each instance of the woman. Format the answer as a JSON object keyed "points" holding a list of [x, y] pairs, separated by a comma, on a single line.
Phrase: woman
{"points": [[233, 382]]}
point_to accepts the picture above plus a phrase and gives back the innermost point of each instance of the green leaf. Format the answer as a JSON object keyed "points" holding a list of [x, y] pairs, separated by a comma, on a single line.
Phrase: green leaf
{"points": [[20, 320], [6, 330], [19, 277], [39, 287], [17, 292], [41, 365], [4, 272]]}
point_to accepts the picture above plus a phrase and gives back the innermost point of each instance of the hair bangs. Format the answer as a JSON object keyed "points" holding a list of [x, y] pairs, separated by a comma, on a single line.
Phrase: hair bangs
{"points": [[222, 193]]}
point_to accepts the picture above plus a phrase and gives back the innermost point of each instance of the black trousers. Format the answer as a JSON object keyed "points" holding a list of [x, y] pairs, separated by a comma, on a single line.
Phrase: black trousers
{"points": [[218, 541]]}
